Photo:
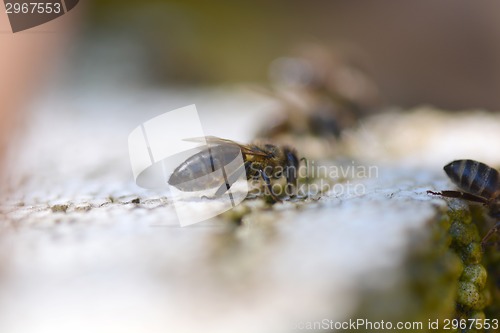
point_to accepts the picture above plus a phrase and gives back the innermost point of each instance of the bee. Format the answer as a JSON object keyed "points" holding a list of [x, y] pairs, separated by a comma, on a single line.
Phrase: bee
{"points": [[321, 93], [320, 118], [261, 161], [479, 183]]}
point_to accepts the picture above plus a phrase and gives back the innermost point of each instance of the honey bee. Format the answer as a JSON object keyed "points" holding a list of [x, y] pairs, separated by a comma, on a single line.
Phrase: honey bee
{"points": [[261, 161], [322, 93], [479, 183], [313, 116]]}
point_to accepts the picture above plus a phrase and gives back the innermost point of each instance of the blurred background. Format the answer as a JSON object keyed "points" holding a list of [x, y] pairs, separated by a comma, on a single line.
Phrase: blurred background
{"points": [[446, 54], [72, 90], [117, 56]]}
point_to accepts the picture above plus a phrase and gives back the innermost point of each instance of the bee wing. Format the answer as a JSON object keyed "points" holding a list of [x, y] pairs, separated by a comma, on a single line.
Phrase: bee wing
{"points": [[245, 149], [213, 140]]}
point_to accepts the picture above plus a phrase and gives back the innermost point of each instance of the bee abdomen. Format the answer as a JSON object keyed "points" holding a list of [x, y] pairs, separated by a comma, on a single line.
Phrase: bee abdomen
{"points": [[201, 165], [473, 177]]}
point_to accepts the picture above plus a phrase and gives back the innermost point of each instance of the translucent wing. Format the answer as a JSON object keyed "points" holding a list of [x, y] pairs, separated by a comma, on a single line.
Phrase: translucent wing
{"points": [[245, 149]]}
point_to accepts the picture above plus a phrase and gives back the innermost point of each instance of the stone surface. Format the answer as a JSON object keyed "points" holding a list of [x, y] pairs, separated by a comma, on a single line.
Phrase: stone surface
{"points": [[84, 249]]}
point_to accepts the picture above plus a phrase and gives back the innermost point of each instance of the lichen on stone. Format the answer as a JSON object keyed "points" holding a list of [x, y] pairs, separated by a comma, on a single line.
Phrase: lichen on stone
{"points": [[476, 289]]}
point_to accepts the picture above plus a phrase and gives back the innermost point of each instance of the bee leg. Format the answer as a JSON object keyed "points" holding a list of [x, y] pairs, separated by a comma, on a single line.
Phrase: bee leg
{"points": [[306, 194], [230, 180], [291, 190], [488, 235], [269, 187], [460, 195]]}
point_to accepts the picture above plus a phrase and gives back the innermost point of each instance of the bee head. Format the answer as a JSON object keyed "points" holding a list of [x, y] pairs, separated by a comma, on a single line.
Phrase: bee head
{"points": [[272, 149]]}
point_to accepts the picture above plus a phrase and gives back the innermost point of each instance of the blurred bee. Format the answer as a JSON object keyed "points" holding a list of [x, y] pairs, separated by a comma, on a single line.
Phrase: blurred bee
{"points": [[323, 95], [261, 161], [315, 117], [479, 183]]}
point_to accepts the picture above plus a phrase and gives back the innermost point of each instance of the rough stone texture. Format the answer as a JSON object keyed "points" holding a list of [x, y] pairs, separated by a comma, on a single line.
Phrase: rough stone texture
{"points": [[84, 249]]}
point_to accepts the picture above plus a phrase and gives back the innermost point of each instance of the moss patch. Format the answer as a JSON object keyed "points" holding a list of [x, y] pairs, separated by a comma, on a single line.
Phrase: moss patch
{"points": [[477, 290]]}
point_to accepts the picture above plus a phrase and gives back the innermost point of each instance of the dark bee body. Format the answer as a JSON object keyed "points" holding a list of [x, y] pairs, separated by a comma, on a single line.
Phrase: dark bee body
{"points": [[479, 183], [264, 161], [321, 94], [202, 164], [473, 177]]}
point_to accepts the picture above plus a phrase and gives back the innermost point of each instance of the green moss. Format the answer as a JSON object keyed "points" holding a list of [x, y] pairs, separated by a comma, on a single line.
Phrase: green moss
{"points": [[476, 296], [486, 297], [475, 274], [478, 315], [468, 295], [461, 215], [456, 267], [446, 276], [59, 208], [237, 214], [268, 199], [463, 234], [445, 222], [472, 253], [492, 263]]}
